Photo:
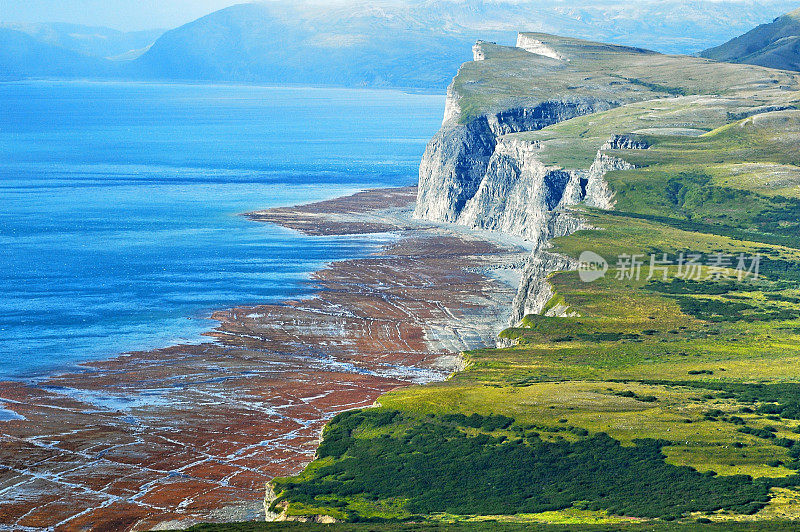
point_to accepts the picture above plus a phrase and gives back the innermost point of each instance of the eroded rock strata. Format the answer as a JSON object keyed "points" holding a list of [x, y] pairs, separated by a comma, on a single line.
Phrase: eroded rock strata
{"points": [[193, 432]]}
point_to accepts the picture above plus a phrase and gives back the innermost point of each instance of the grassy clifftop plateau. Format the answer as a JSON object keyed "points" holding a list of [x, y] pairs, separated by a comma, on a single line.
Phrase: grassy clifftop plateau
{"points": [[665, 393], [510, 78]]}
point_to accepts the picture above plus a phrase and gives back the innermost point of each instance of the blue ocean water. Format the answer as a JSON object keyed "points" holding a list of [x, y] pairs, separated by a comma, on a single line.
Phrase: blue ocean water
{"points": [[119, 204]]}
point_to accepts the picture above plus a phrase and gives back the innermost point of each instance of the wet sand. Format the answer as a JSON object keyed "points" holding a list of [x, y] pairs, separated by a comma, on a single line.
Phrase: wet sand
{"points": [[192, 433]]}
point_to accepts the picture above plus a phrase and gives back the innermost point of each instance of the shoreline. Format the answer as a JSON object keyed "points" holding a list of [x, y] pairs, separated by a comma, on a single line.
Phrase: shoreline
{"points": [[204, 315], [189, 433]]}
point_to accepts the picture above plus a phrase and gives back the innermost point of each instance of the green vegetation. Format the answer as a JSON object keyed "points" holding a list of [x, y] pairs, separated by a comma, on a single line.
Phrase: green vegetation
{"points": [[665, 396], [599, 72], [435, 466], [631, 526]]}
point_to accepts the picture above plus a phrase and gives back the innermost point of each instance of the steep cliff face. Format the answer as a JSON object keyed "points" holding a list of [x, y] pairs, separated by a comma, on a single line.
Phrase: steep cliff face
{"points": [[456, 160], [500, 183], [518, 192], [453, 166], [519, 195], [481, 175]]}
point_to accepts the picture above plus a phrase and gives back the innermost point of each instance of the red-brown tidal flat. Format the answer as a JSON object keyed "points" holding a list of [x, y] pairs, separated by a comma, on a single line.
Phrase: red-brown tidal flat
{"points": [[193, 432]]}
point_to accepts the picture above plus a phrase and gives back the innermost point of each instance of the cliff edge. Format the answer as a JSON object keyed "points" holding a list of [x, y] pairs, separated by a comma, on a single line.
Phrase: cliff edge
{"points": [[482, 171]]}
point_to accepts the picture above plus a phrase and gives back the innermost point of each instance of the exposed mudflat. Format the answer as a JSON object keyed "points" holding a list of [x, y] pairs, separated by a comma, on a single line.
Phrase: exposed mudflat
{"points": [[193, 432]]}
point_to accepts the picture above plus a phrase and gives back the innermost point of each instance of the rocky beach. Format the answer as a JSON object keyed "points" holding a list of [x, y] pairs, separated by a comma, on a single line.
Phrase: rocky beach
{"points": [[192, 433]]}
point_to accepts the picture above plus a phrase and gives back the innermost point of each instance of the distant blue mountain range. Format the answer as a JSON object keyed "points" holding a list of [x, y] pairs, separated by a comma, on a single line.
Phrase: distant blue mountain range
{"points": [[774, 45], [361, 43]]}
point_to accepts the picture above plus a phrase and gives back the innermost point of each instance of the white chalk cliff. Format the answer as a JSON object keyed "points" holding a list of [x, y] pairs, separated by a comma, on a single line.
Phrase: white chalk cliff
{"points": [[535, 46]]}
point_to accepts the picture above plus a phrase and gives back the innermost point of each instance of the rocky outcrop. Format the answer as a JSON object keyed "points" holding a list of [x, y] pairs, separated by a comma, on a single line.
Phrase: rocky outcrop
{"points": [[534, 291], [457, 158], [597, 192], [518, 193], [625, 142], [273, 515], [480, 175], [535, 46], [270, 513], [477, 52]]}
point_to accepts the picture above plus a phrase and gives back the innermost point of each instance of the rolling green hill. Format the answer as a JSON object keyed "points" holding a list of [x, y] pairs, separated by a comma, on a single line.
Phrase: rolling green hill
{"points": [[774, 45]]}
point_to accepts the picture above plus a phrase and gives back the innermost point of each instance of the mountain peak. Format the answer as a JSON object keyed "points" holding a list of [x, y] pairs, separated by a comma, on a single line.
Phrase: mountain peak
{"points": [[774, 45]]}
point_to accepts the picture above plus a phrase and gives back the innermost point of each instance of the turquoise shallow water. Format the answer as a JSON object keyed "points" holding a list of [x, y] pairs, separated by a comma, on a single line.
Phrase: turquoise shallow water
{"points": [[119, 223]]}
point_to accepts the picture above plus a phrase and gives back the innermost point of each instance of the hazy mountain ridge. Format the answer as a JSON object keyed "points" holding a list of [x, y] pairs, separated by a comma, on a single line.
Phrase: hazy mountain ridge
{"points": [[671, 27], [95, 41], [68, 50], [281, 43], [774, 45], [412, 45], [23, 56]]}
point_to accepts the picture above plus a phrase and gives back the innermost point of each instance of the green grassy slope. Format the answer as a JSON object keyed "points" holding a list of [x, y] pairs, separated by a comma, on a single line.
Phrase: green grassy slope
{"points": [[774, 45], [660, 399], [491, 525]]}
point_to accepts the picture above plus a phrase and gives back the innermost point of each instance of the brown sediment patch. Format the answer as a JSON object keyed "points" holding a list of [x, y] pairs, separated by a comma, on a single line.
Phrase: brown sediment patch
{"points": [[193, 432], [340, 216]]}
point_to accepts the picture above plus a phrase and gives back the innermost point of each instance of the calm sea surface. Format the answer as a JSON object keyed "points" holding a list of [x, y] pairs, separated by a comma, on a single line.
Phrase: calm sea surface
{"points": [[119, 204]]}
